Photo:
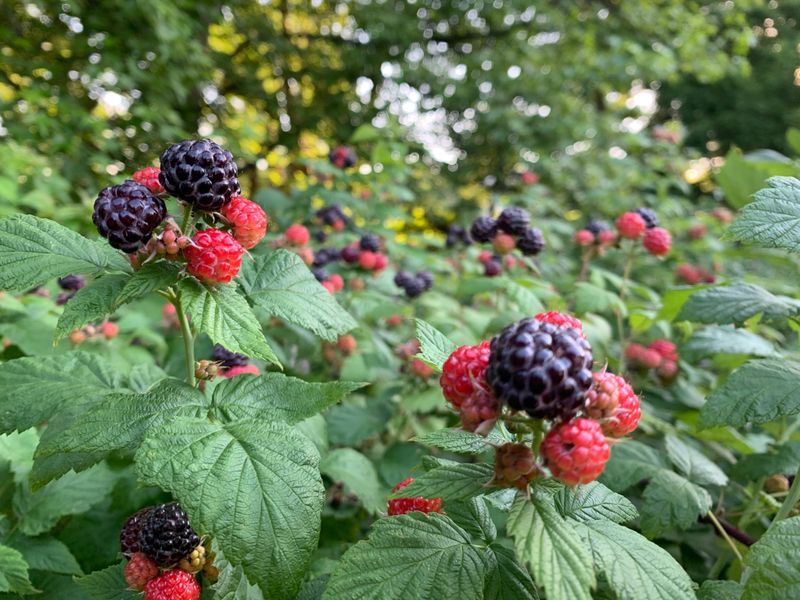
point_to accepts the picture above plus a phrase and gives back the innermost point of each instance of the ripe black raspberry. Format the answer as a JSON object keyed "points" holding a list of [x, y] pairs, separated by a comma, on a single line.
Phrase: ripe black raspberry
{"points": [[531, 242], [649, 215], [319, 273], [227, 358], [597, 226], [541, 368], [325, 256], [426, 278], [370, 242], [129, 534], [483, 229], [414, 287], [514, 220], [72, 283], [402, 278], [127, 214], [199, 172], [166, 535]]}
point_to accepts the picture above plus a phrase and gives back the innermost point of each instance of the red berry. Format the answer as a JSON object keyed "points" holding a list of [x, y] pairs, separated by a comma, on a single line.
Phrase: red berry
{"points": [[139, 571], [607, 236], [479, 411], [306, 255], [504, 243], [464, 372], [337, 282], [492, 268], [367, 260], [649, 359], [697, 231], [584, 237], [631, 225], [401, 506], [248, 219], [241, 370], [347, 344], [357, 284], [634, 351], [394, 320], [328, 285], [214, 256], [668, 370], [657, 241], [614, 404], [173, 585], [484, 256], [148, 177], [603, 397], [722, 214], [381, 262], [688, 274], [529, 177], [297, 235], [666, 349], [421, 369], [562, 320], [338, 225], [109, 330], [576, 451]]}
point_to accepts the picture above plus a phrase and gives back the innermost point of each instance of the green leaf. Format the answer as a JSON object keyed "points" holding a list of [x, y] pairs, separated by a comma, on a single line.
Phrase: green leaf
{"points": [[523, 297], [773, 219], [591, 298], [775, 563], [93, 302], [457, 441], [693, 463], [631, 462], [358, 474], [277, 397], [224, 315], [46, 554], [758, 392], [248, 484], [34, 251], [120, 421], [108, 584], [14, 572], [450, 482], [474, 518], [507, 579], [594, 502], [551, 548], [410, 556], [282, 285], [73, 494], [232, 583], [17, 448], [150, 278], [634, 567], [727, 340], [719, 590], [436, 348], [33, 389], [671, 501], [742, 176], [735, 303]]}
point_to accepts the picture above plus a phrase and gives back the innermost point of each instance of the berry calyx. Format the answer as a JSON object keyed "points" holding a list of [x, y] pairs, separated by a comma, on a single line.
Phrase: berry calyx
{"points": [[148, 177], [515, 466], [214, 256], [631, 225], [401, 506], [657, 241], [139, 571], [173, 585], [464, 372], [576, 451], [248, 220]]}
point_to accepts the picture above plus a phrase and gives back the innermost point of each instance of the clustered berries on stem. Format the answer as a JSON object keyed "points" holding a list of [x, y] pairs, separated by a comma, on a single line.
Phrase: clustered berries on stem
{"points": [[510, 231], [414, 284], [164, 554], [660, 355], [537, 374], [401, 506]]}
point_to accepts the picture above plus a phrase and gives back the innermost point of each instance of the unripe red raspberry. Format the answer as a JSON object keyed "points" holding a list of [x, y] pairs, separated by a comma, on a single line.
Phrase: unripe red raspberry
{"points": [[576, 451], [248, 219], [464, 372], [77, 337], [666, 349], [421, 369], [657, 241], [148, 177], [667, 370], [697, 231], [529, 177], [504, 243], [631, 225], [688, 274], [603, 397], [139, 571], [297, 235], [248, 369], [109, 330], [173, 585], [584, 237], [722, 214], [347, 344], [614, 404], [367, 260], [381, 262], [306, 255], [511, 262], [357, 284], [649, 359], [401, 506], [337, 282], [214, 256], [484, 256], [607, 236], [328, 285], [562, 320], [479, 411], [394, 320], [515, 466]]}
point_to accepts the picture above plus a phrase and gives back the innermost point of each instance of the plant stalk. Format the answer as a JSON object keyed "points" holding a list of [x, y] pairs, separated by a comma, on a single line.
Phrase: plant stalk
{"points": [[188, 338]]}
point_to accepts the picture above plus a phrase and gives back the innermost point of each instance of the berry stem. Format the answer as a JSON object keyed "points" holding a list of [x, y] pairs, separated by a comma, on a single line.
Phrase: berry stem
{"points": [[623, 292], [187, 219], [188, 338], [713, 518]]}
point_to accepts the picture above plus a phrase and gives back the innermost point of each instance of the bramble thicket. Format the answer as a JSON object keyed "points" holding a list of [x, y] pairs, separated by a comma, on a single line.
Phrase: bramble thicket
{"points": [[389, 300]]}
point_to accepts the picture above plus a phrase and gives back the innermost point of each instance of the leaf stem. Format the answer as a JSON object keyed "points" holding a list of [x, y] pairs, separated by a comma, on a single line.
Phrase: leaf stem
{"points": [[788, 504], [623, 292], [188, 338], [187, 219], [713, 518]]}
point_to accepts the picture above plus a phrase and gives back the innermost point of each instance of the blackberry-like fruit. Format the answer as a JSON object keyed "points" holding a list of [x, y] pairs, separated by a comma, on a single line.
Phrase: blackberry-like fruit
{"points": [[426, 278], [72, 283], [514, 220], [403, 278], [414, 288], [483, 229], [325, 256], [370, 242], [343, 157], [199, 172], [531, 242], [596, 226], [350, 254], [166, 536], [127, 214], [541, 368], [227, 358], [649, 215], [492, 268], [321, 236], [129, 534], [319, 273]]}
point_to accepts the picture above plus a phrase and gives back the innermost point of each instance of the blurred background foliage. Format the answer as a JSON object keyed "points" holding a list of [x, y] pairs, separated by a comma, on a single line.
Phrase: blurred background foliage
{"points": [[450, 102]]}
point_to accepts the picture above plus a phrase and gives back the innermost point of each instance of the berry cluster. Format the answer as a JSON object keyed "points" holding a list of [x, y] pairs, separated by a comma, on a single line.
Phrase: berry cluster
{"points": [[414, 284], [106, 330], [401, 506], [661, 355], [597, 233], [511, 230], [692, 275], [642, 223], [343, 157], [332, 216], [457, 235], [464, 385], [164, 553], [333, 283], [345, 346]]}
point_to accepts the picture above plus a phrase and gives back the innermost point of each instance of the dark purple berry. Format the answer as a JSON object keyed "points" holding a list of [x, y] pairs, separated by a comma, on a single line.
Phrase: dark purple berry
{"points": [[483, 229], [227, 358], [165, 535], [531, 242], [514, 220], [649, 215], [127, 214], [200, 173]]}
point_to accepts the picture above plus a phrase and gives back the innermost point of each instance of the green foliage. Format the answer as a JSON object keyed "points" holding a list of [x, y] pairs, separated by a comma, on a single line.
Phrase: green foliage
{"points": [[773, 219], [735, 304], [773, 563], [435, 346]]}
